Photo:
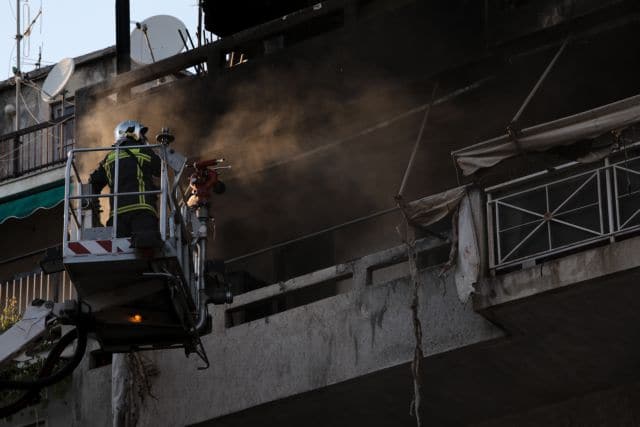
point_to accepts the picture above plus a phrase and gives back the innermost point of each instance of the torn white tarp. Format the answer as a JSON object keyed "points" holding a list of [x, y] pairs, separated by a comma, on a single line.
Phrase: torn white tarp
{"points": [[585, 125], [428, 210], [465, 251], [467, 268]]}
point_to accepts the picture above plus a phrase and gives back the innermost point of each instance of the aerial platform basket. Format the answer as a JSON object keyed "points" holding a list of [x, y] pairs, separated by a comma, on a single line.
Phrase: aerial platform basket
{"points": [[145, 291], [142, 292]]}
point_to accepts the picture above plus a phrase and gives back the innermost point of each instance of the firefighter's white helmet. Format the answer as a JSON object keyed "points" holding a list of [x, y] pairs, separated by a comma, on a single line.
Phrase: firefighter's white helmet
{"points": [[130, 129]]}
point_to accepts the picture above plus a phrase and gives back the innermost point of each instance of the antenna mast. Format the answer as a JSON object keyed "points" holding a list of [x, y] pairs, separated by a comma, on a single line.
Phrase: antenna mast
{"points": [[17, 74]]}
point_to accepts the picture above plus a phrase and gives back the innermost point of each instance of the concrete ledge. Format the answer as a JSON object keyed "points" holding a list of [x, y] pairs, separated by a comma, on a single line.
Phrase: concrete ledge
{"points": [[310, 347], [571, 270], [359, 269], [30, 182]]}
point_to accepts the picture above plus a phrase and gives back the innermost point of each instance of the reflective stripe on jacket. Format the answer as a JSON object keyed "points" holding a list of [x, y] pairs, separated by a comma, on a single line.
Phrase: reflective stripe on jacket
{"points": [[137, 167]]}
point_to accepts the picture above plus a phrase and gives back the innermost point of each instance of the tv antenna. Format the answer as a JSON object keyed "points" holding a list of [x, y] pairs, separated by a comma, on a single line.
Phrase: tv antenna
{"points": [[57, 80], [156, 38], [17, 71]]}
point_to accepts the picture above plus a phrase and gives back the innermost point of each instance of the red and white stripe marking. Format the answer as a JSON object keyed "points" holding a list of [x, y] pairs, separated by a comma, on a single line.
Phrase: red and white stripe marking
{"points": [[99, 247]]}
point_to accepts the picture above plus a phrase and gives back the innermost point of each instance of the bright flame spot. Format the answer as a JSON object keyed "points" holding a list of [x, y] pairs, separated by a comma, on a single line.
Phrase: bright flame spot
{"points": [[136, 318]]}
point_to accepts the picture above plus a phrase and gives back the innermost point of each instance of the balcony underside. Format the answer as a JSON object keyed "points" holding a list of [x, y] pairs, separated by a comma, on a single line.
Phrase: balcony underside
{"points": [[564, 341]]}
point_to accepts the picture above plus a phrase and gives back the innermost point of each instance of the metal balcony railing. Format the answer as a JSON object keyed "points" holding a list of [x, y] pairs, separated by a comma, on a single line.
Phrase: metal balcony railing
{"points": [[26, 287], [546, 219], [35, 148]]}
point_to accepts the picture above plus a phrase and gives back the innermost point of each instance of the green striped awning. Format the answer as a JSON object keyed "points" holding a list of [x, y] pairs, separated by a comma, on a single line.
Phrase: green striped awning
{"points": [[23, 206]]}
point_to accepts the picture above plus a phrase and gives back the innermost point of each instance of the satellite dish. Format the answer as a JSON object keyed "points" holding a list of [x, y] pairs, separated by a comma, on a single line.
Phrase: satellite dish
{"points": [[156, 38], [57, 79]]}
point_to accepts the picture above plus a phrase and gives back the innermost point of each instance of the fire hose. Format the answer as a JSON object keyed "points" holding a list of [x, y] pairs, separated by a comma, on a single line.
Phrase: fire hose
{"points": [[45, 377]]}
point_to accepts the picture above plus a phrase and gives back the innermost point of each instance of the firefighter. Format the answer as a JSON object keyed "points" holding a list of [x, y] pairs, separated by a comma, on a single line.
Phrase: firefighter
{"points": [[137, 169]]}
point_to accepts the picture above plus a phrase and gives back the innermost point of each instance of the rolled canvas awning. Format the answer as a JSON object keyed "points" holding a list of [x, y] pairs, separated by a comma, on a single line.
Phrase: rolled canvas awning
{"points": [[22, 206], [586, 125]]}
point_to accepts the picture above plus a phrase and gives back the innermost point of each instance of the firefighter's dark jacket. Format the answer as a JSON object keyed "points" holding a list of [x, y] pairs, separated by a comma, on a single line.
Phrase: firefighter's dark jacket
{"points": [[137, 167]]}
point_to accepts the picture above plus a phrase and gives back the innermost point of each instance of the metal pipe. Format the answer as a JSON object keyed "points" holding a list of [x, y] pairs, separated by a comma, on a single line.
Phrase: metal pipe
{"points": [[201, 300], [186, 48], [163, 196], [17, 73], [131, 147], [65, 220], [146, 37], [200, 23], [417, 144], [540, 81], [26, 292], [496, 221], [123, 43], [111, 195], [79, 217], [114, 209], [490, 234], [616, 198], [16, 155], [607, 175], [600, 203], [172, 206], [548, 209]]}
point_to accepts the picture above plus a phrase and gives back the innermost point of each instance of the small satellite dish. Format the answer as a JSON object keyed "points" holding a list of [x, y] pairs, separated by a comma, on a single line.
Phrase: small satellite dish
{"points": [[156, 38], [57, 79]]}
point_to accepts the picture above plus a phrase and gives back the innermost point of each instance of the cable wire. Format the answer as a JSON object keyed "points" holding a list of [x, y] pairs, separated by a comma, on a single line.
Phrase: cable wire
{"points": [[26, 107], [13, 48], [13, 12]]}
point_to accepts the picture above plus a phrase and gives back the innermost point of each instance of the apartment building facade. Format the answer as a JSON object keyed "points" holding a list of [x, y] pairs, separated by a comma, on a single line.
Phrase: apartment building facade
{"points": [[509, 130]]}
